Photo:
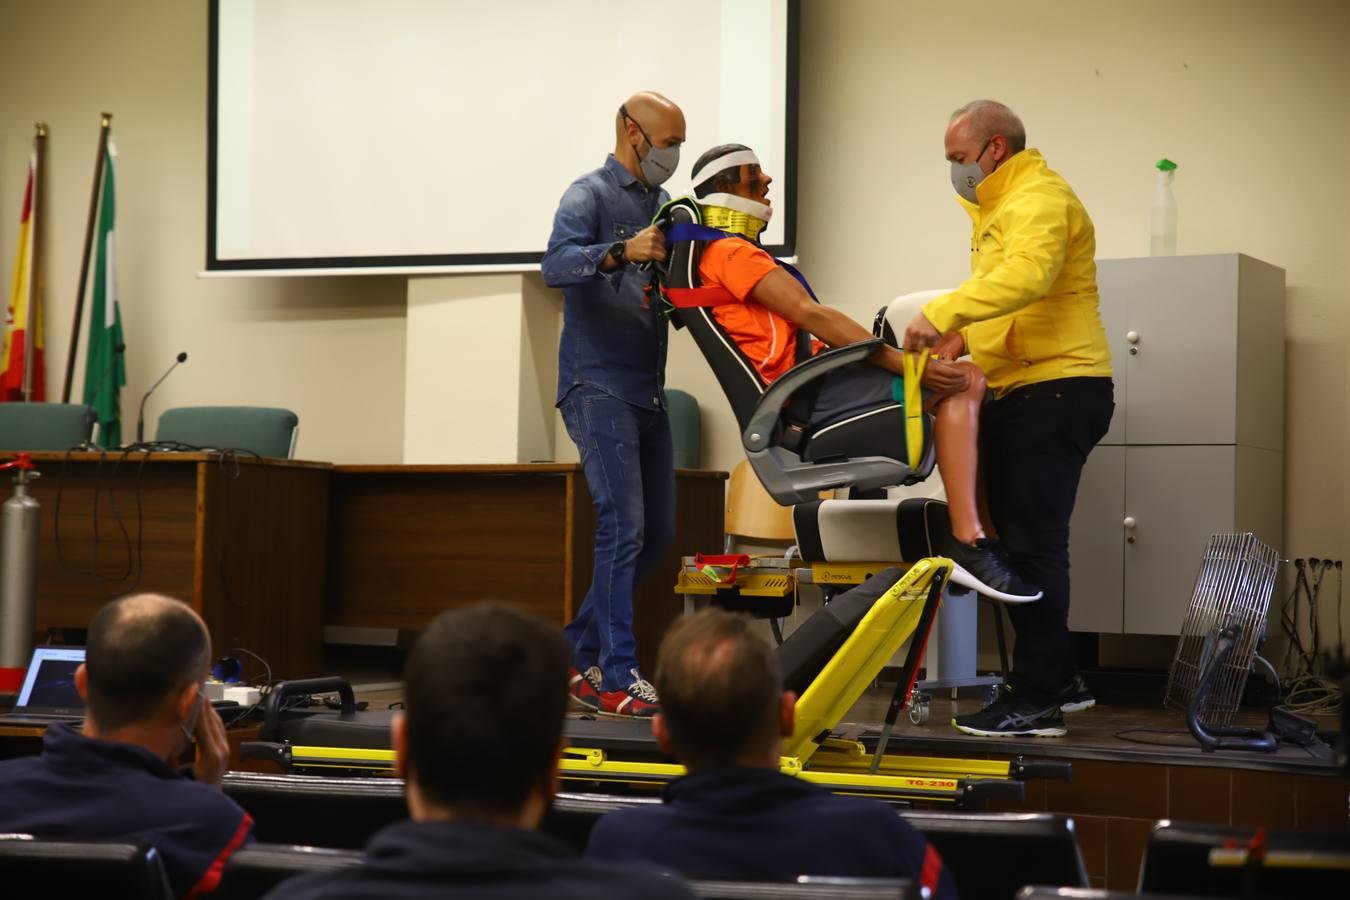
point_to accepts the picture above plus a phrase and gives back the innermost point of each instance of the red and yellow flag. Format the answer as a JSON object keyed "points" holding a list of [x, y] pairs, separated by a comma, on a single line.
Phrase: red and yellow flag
{"points": [[17, 319]]}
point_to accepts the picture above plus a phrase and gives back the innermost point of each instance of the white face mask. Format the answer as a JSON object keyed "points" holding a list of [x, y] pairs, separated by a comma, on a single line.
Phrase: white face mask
{"points": [[967, 176]]}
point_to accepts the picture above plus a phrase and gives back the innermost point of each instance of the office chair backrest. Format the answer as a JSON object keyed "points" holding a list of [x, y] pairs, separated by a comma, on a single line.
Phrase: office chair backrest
{"points": [[808, 888], [266, 431], [45, 426], [750, 512], [1177, 860], [686, 429], [323, 812], [82, 869], [252, 871], [995, 855], [1041, 892]]}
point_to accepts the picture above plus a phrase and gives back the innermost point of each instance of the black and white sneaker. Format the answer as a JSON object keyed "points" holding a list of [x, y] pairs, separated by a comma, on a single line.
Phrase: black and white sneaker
{"points": [[989, 564], [1076, 696], [1013, 716]]}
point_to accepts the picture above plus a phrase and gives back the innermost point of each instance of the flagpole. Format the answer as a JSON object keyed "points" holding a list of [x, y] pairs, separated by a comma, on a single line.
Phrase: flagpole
{"points": [[84, 260], [35, 241]]}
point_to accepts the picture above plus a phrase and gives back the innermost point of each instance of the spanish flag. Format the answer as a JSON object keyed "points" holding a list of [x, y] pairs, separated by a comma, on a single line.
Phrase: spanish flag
{"points": [[23, 326]]}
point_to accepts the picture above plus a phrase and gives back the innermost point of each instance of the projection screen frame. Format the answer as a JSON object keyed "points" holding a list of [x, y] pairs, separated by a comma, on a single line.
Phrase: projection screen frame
{"points": [[523, 261]]}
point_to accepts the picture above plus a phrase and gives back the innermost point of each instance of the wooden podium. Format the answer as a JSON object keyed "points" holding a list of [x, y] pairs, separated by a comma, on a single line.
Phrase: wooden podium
{"points": [[269, 551], [241, 539]]}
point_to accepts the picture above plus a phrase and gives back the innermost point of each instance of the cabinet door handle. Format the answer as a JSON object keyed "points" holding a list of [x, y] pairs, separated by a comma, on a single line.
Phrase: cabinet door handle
{"points": [[1129, 522], [1132, 337], [1129, 527]]}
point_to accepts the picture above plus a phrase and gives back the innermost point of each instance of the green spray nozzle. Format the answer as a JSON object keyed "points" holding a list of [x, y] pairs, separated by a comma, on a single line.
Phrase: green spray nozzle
{"points": [[1166, 165]]}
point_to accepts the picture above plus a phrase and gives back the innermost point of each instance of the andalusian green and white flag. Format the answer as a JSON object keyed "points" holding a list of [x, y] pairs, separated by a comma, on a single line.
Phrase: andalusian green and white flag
{"points": [[105, 371]]}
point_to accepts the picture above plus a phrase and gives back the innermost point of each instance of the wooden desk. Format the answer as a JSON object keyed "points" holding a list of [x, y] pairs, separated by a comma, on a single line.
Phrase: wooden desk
{"points": [[243, 542], [407, 542]]}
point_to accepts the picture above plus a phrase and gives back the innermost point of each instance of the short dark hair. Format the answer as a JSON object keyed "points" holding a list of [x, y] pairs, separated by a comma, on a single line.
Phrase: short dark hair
{"points": [[486, 689], [722, 180], [720, 686], [141, 649]]}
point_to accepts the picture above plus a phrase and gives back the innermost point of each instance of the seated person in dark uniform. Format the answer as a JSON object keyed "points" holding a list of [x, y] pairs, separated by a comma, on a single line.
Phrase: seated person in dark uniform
{"points": [[769, 307], [118, 777], [723, 715], [479, 745]]}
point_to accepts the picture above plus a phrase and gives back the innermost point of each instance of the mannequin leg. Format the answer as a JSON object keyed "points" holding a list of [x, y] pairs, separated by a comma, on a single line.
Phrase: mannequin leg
{"points": [[957, 435]]}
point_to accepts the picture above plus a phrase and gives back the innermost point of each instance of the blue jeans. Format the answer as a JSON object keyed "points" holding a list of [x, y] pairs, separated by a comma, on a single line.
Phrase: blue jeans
{"points": [[627, 455]]}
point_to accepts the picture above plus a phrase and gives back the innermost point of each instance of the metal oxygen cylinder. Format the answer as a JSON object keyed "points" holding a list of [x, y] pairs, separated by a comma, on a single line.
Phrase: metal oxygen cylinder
{"points": [[19, 520]]}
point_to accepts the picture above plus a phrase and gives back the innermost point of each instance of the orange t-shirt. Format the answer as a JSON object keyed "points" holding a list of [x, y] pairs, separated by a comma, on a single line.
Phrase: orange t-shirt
{"points": [[767, 339]]}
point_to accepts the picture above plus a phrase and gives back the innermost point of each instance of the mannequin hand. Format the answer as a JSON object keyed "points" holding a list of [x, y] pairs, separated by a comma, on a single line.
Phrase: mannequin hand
{"points": [[944, 378]]}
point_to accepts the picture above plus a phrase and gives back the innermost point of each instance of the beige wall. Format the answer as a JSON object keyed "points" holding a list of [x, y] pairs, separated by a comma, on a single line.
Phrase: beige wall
{"points": [[330, 349], [1248, 96]]}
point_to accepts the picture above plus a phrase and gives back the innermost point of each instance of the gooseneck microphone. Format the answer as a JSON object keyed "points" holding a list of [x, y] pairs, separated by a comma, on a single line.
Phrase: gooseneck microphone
{"points": [[140, 416]]}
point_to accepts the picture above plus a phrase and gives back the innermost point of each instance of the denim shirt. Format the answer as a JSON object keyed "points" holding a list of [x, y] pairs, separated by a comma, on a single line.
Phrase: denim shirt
{"points": [[613, 338]]}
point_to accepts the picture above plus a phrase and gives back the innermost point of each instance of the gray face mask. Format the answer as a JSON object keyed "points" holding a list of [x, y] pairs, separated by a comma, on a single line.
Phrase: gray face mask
{"points": [[660, 162], [967, 176]]}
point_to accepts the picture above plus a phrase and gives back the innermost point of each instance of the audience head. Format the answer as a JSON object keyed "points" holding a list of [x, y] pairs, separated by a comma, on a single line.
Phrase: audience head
{"points": [[486, 690], [722, 698], [146, 658]]}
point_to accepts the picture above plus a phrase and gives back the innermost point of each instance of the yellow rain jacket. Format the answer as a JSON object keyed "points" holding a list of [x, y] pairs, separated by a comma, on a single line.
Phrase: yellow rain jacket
{"points": [[1028, 312]]}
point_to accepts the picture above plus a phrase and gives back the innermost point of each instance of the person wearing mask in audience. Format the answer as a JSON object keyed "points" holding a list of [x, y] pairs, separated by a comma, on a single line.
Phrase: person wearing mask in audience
{"points": [[118, 777], [724, 715], [611, 388], [478, 747], [1028, 316]]}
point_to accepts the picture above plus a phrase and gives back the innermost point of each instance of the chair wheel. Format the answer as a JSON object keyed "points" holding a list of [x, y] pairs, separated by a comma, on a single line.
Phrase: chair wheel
{"points": [[919, 708]]}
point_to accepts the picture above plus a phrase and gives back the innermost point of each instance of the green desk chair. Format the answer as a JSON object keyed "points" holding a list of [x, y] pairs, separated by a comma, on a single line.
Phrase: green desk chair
{"points": [[266, 431], [45, 426], [686, 429]]}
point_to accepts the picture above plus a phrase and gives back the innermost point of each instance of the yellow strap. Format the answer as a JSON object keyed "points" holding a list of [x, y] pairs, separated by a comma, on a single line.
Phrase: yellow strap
{"points": [[914, 365]]}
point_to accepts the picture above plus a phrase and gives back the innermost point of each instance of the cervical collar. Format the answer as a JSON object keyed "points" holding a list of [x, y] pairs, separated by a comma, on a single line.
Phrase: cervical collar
{"points": [[728, 212]]}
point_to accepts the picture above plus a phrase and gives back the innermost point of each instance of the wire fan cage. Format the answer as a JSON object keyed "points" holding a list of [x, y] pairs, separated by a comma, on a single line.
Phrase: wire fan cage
{"points": [[1234, 587]]}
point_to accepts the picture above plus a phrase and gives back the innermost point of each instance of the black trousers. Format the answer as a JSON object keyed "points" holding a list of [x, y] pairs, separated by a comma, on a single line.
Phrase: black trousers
{"points": [[1033, 443]]}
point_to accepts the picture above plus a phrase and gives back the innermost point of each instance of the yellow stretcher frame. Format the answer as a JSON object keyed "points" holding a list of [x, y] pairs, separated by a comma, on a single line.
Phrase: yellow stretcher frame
{"points": [[839, 765]]}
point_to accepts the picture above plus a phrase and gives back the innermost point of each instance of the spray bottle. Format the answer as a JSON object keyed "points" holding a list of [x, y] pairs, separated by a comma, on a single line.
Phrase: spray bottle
{"points": [[1164, 241]]}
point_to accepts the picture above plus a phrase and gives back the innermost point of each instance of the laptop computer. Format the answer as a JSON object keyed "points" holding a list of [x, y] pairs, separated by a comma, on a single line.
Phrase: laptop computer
{"points": [[48, 694]]}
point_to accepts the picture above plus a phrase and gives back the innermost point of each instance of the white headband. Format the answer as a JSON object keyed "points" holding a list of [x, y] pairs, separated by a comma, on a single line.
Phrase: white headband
{"points": [[733, 160]]}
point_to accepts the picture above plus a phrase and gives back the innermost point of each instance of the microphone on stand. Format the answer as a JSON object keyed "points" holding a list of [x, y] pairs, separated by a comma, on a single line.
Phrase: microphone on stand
{"points": [[140, 416], [103, 382]]}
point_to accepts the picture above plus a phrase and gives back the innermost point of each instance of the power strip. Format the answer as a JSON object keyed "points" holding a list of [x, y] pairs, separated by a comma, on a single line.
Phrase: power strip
{"points": [[242, 694]]}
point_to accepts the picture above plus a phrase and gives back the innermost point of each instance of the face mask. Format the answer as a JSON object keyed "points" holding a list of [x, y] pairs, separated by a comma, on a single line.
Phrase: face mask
{"points": [[660, 162], [967, 176]]}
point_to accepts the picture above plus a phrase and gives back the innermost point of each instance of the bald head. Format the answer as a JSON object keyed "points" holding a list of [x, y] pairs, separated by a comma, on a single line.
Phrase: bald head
{"points": [[721, 690], [141, 651], [980, 121], [646, 121], [656, 114]]}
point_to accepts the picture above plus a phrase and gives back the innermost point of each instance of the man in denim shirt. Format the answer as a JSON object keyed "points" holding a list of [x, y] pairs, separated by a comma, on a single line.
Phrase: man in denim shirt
{"points": [[611, 388]]}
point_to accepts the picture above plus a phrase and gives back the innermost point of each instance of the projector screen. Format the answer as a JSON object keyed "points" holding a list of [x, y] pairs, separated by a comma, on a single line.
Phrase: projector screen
{"points": [[440, 134]]}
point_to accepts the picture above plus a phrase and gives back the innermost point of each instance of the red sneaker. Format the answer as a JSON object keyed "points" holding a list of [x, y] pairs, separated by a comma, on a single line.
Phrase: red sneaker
{"points": [[585, 688], [639, 700]]}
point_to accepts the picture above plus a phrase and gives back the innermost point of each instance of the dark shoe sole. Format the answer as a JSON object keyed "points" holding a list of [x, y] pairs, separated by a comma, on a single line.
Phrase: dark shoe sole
{"points": [[1048, 731]]}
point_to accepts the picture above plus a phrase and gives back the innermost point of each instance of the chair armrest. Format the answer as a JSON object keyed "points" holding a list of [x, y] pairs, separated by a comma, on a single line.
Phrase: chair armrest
{"points": [[770, 407]]}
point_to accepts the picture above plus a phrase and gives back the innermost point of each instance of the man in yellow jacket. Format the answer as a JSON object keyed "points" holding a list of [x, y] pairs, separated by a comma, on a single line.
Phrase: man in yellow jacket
{"points": [[1028, 316]]}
